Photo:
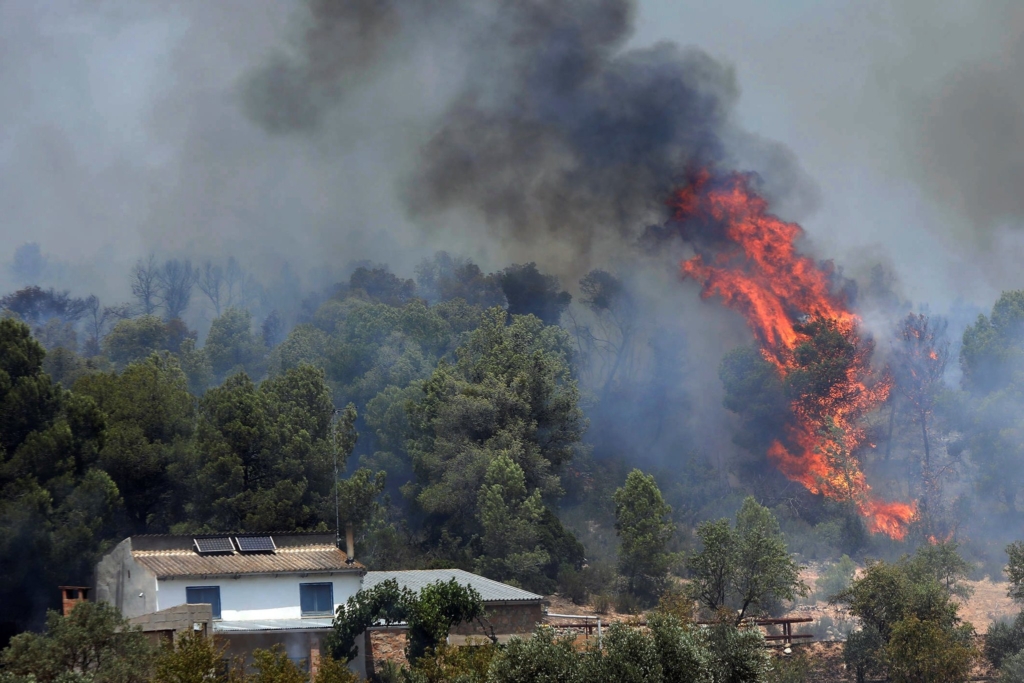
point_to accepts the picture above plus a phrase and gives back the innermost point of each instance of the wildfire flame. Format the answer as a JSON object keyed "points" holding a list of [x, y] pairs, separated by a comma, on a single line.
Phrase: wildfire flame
{"points": [[755, 269]]}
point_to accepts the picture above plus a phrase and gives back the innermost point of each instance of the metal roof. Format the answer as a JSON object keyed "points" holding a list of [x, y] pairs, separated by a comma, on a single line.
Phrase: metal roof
{"points": [[249, 625], [177, 563], [489, 590]]}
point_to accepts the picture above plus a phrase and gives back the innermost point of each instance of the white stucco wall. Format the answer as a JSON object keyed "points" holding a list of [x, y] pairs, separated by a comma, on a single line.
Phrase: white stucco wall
{"points": [[258, 597]]}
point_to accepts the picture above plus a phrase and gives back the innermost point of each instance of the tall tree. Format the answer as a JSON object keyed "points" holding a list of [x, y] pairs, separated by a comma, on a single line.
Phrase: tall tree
{"points": [[231, 345], [511, 392], [745, 567], [530, 292], [264, 456], [510, 517], [643, 523], [150, 422], [145, 284], [36, 305], [56, 507], [176, 279]]}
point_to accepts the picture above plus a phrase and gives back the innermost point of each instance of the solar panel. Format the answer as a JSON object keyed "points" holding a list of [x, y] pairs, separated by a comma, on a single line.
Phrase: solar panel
{"points": [[255, 544], [214, 545]]}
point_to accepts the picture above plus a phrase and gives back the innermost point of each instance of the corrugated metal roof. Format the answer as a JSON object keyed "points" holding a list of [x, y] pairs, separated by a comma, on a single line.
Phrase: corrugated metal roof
{"points": [[248, 625], [489, 590], [167, 564]]}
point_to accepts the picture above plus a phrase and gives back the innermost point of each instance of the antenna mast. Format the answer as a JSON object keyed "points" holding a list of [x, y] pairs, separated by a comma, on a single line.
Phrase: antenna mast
{"points": [[337, 505]]}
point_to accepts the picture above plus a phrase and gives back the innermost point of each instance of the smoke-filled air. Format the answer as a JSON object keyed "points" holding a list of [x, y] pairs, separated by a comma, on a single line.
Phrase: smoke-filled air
{"points": [[705, 311]]}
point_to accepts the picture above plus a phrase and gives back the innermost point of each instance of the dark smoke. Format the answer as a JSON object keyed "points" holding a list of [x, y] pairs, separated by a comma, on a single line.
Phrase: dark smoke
{"points": [[555, 134]]}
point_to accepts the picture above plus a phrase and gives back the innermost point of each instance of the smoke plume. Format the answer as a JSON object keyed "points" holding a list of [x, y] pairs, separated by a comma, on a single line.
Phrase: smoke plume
{"points": [[555, 135]]}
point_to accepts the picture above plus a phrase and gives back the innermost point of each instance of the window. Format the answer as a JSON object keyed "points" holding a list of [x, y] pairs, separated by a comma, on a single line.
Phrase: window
{"points": [[317, 599], [210, 595]]}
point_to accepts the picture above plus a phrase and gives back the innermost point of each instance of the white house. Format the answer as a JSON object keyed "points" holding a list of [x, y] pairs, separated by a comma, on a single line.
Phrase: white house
{"points": [[263, 589]]}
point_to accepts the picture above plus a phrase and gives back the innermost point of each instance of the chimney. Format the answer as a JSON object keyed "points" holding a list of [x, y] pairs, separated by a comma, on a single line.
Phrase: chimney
{"points": [[350, 543], [71, 596]]}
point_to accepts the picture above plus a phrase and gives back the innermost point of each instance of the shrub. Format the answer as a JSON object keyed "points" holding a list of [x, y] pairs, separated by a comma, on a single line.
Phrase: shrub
{"points": [[683, 658], [1004, 640], [572, 585], [540, 659], [923, 651], [836, 578], [737, 655], [1012, 669], [795, 668], [627, 603], [628, 656], [602, 603], [442, 664], [273, 666], [193, 659], [333, 671]]}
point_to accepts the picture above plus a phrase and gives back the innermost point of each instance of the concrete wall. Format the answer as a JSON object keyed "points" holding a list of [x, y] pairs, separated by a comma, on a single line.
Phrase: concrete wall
{"points": [[506, 620], [166, 626], [125, 584], [259, 597]]}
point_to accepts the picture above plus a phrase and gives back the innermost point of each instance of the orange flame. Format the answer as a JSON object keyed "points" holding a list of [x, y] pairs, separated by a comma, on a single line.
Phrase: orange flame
{"points": [[757, 271]]}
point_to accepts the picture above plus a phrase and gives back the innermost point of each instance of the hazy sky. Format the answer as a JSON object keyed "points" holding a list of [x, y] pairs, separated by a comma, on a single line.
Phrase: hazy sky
{"points": [[121, 132]]}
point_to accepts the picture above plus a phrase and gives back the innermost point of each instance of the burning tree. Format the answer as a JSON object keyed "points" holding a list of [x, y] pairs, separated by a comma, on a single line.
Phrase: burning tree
{"points": [[748, 258]]}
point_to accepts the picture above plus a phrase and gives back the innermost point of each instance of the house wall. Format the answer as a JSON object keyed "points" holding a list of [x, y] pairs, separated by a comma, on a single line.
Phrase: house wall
{"points": [[125, 584], [259, 597]]}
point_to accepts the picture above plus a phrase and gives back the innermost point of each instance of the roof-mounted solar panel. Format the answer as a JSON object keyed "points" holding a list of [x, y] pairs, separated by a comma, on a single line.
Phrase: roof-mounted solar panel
{"points": [[255, 544], [221, 544]]}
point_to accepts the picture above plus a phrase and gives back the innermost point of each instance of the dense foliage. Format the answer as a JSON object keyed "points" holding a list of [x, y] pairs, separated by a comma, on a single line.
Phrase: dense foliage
{"points": [[492, 422]]}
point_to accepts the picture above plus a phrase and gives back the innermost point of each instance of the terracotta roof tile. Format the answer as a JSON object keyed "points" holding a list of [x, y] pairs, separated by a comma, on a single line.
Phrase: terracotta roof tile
{"points": [[168, 564]]}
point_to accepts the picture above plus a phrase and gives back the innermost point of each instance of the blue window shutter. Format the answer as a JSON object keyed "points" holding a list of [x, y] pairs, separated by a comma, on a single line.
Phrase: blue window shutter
{"points": [[316, 599]]}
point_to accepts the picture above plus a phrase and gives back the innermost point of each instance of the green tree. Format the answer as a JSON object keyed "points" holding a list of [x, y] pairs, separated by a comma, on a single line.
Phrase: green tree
{"points": [[55, 506], [1015, 570], [135, 339], [745, 567], [905, 613], [430, 615], [231, 345], [627, 655], [643, 523], [510, 518], [263, 459], [925, 652], [510, 393], [993, 347], [542, 658], [93, 641], [530, 292], [737, 655], [150, 417], [754, 391], [684, 657]]}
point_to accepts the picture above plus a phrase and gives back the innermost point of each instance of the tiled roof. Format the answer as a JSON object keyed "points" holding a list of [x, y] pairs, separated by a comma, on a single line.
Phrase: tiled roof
{"points": [[246, 625], [173, 563], [489, 590]]}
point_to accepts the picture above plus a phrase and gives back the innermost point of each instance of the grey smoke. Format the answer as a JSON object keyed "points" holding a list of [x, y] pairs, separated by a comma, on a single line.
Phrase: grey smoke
{"points": [[556, 137]]}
